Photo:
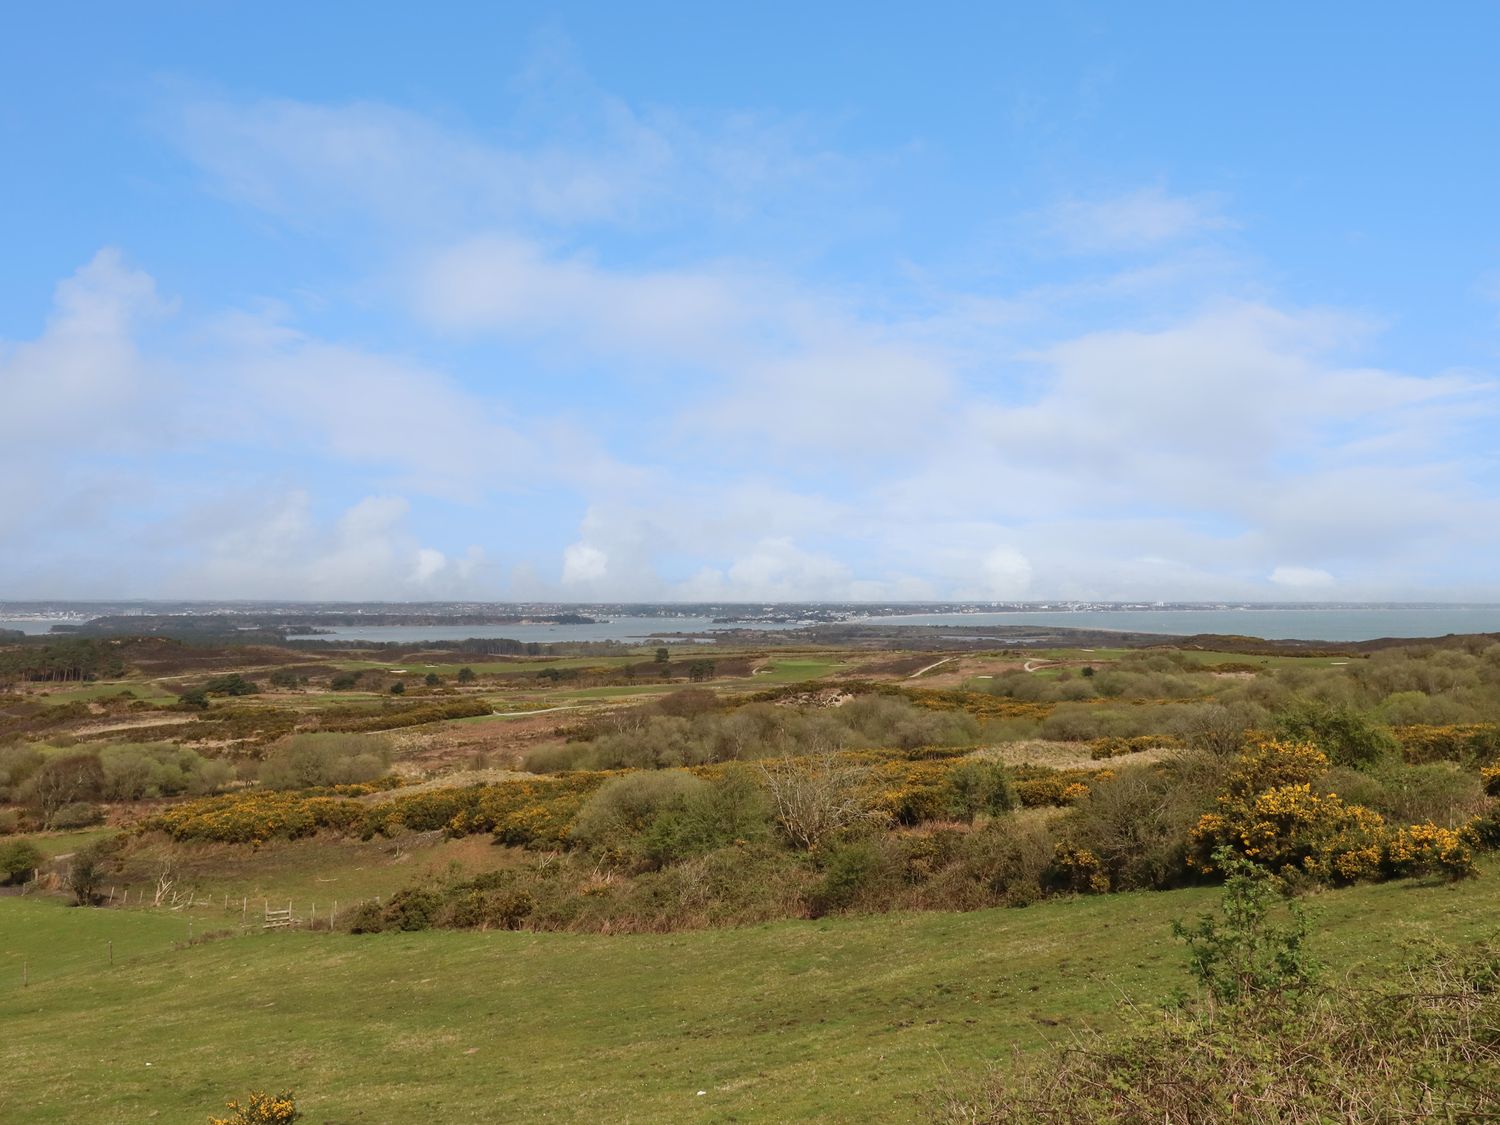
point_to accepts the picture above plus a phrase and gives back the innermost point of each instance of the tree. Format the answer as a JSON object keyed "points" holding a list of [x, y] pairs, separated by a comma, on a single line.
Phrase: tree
{"points": [[466, 675], [398, 688], [432, 679], [700, 670], [65, 780], [663, 655], [285, 678], [89, 868]]}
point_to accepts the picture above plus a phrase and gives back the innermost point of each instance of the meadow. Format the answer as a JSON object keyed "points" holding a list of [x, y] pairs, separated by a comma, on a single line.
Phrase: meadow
{"points": [[848, 1019]]}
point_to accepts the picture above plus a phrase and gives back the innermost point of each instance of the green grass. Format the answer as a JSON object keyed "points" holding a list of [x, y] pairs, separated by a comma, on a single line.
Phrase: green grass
{"points": [[57, 942], [63, 843], [795, 671], [841, 1020], [86, 693], [519, 667], [311, 874], [614, 692]]}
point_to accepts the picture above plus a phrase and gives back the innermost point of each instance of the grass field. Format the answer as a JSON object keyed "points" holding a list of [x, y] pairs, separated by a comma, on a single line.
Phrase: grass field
{"points": [[86, 693], [854, 1019], [793, 671]]}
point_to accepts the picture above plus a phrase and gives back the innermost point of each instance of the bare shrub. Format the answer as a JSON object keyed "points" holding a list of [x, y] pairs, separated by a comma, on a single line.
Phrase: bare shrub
{"points": [[815, 800]]}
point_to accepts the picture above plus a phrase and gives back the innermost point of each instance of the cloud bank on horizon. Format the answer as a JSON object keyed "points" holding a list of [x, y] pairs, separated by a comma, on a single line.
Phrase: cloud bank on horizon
{"points": [[582, 328]]}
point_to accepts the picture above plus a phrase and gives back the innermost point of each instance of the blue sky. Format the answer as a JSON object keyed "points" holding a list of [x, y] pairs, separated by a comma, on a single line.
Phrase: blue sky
{"points": [[754, 302]]}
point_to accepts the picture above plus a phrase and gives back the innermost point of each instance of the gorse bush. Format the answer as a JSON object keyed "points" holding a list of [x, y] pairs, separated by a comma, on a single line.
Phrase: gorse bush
{"points": [[1343, 734], [1136, 823], [1466, 744], [1271, 813], [977, 788], [261, 1109], [396, 716]]}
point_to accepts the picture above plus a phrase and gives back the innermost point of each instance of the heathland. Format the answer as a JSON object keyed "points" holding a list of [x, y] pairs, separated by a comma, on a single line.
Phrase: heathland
{"points": [[861, 882]]}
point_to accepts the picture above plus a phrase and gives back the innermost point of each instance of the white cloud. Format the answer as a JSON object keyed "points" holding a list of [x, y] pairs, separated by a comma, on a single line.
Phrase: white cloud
{"points": [[584, 564], [84, 373], [501, 283], [1005, 573], [1137, 220], [305, 162], [279, 548], [1301, 577]]}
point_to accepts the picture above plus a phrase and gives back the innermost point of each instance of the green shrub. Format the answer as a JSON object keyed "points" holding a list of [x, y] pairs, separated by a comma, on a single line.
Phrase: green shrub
{"points": [[1137, 822], [415, 908], [851, 870], [18, 859], [1346, 736], [978, 788], [231, 684], [1003, 863], [132, 772], [17, 765], [615, 820], [366, 918], [1242, 956], [487, 908], [88, 868], [309, 761], [1439, 793], [732, 809], [80, 814]]}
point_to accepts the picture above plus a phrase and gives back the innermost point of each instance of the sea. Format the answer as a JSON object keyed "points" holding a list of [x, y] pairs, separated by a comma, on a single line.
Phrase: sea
{"points": [[1320, 623]]}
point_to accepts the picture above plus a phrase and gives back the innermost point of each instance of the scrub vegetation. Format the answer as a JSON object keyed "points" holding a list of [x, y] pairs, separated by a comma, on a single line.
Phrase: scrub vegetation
{"points": [[652, 795]]}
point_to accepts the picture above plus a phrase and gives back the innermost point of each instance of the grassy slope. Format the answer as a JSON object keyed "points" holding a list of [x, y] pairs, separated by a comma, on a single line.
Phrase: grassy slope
{"points": [[845, 1020]]}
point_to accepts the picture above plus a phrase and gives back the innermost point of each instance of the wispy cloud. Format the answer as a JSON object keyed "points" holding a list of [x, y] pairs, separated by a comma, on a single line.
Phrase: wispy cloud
{"points": [[1143, 219]]}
